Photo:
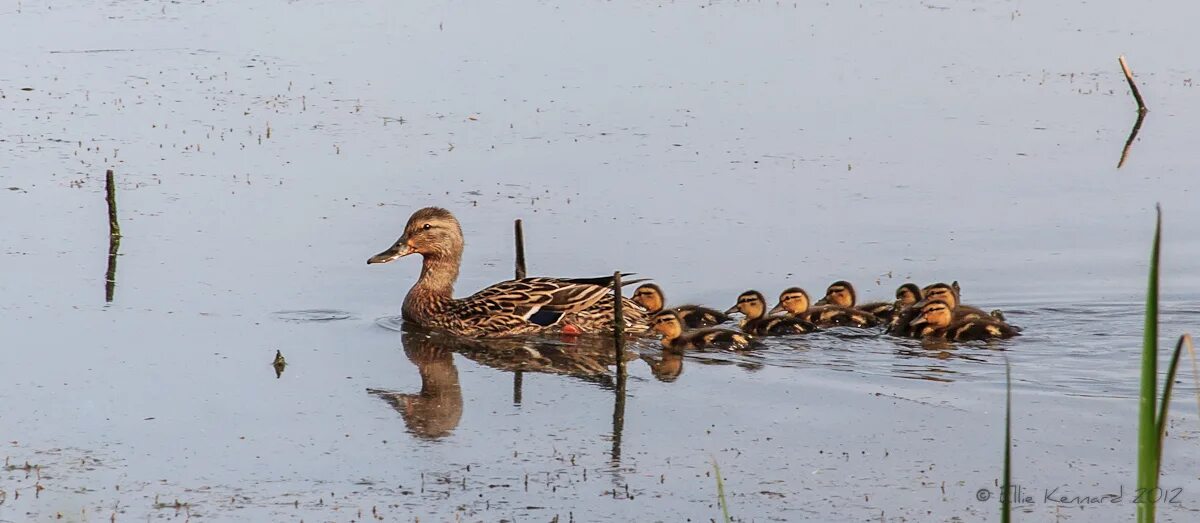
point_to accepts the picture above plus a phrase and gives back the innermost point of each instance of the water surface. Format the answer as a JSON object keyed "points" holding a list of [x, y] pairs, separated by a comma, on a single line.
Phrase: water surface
{"points": [[263, 150]]}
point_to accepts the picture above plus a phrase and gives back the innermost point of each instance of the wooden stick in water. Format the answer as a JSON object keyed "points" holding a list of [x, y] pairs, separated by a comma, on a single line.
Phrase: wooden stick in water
{"points": [[519, 272], [619, 327], [519, 235], [110, 194], [1132, 86], [114, 236]]}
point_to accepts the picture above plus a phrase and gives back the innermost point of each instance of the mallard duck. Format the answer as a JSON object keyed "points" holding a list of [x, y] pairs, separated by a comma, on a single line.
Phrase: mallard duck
{"points": [[754, 307], [937, 321], [670, 324], [651, 298], [794, 301], [513, 307], [906, 295]]}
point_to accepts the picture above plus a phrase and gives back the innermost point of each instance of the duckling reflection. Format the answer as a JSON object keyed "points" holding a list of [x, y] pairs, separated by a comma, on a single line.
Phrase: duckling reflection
{"points": [[667, 367], [435, 411]]}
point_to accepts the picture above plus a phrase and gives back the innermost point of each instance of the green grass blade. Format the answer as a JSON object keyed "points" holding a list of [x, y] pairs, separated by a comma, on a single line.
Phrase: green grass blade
{"points": [[1005, 498], [1148, 450], [1165, 404], [721, 493], [1195, 370]]}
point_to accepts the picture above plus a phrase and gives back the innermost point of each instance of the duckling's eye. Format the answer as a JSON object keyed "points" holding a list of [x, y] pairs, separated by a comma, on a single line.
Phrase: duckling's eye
{"points": [[427, 226]]}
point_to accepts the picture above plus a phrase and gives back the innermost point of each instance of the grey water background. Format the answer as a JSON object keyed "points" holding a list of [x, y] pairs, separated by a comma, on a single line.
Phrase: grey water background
{"points": [[264, 149]]}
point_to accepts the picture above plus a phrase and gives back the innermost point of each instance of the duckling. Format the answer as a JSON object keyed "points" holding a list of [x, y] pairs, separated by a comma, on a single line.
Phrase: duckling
{"points": [[754, 307], [906, 295], [937, 321], [795, 302], [651, 297], [670, 325], [951, 295], [839, 293], [900, 325]]}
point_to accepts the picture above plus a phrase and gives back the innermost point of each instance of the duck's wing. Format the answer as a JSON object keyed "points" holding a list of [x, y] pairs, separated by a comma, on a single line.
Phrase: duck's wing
{"points": [[529, 296]]}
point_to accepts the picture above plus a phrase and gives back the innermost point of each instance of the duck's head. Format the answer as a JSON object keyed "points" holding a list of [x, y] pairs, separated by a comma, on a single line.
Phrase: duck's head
{"points": [[431, 232], [936, 314], [793, 300], [908, 294], [840, 293], [941, 292], [649, 296], [750, 303], [668, 324]]}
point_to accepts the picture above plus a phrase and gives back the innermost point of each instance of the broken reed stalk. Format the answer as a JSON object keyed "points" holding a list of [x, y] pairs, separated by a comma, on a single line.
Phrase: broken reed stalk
{"points": [[1132, 85], [114, 236], [519, 235], [110, 194], [619, 328]]}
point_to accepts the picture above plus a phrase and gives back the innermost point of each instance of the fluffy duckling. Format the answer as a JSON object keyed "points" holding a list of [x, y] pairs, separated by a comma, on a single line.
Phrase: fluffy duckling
{"points": [[906, 295], [754, 307], [795, 302], [947, 293], [839, 293], [670, 325], [937, 320], [651, 297]]}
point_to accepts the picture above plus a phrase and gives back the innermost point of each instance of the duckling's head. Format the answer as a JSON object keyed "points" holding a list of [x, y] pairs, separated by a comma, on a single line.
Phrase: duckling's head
{"points": [[668, 324], [793, 300], [840, 293], [750, 303], [649, 296], [942, 292], [936, 314], [431, 232], [908, 294]]}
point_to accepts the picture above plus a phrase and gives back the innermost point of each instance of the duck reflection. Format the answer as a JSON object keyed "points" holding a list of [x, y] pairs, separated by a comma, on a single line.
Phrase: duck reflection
{"points": [[435, 411]]}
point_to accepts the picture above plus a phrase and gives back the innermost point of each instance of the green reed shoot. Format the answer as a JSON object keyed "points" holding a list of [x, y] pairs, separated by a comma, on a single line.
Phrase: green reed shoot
{"points": [[1005, 493], [1152, 411], [721, 493]]}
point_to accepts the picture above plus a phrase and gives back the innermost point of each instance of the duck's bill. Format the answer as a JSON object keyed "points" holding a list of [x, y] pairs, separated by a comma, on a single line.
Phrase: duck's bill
{"points": [[399, 250], [917, 321], [732, 310], [778, 309]]}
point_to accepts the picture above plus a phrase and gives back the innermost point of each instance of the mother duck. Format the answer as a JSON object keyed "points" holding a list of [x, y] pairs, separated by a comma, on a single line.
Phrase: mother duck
{"points": [[508, 308]]}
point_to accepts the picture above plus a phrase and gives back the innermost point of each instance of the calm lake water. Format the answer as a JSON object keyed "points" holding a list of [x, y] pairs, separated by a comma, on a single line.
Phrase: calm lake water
{"points": [[263, 150]]}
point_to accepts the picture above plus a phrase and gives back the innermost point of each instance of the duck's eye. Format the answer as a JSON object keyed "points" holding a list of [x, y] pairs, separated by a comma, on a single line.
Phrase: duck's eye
{"points": [[427, 226]]}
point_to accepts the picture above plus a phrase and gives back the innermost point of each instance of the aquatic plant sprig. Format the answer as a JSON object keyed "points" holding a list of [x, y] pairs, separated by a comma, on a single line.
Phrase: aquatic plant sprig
{"points": [[1152, 412]]}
